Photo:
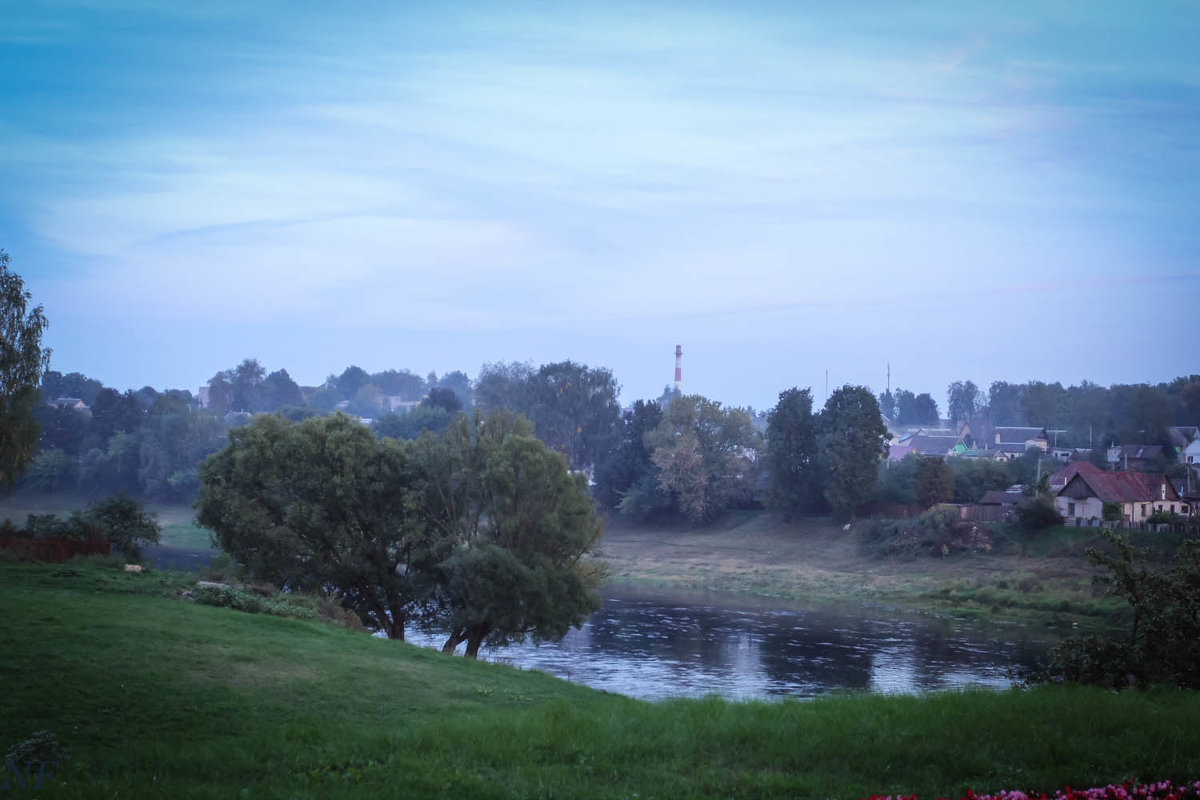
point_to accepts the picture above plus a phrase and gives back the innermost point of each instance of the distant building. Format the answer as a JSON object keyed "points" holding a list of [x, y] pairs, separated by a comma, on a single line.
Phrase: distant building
{"points": [[1139, 494], [1135, 456], [1029, 437], [73, 403]]}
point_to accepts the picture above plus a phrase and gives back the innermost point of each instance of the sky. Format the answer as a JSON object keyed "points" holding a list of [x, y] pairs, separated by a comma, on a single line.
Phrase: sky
{"points": [[798, 193]]}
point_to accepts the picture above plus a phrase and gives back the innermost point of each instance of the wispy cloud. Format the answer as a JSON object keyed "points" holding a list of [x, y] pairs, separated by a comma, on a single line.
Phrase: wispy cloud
{"points": [[531, 169]]}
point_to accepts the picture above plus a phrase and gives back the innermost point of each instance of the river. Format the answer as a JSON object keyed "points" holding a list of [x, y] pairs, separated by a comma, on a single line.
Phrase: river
{"points": [[659, 644]]}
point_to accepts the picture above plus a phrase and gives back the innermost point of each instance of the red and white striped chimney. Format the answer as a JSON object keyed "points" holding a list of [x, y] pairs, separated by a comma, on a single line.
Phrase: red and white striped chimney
{"points": [[678, 368]]}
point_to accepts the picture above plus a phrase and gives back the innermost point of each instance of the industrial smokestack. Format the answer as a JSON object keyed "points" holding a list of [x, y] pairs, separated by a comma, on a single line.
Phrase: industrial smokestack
{"points": [[679, 368]]}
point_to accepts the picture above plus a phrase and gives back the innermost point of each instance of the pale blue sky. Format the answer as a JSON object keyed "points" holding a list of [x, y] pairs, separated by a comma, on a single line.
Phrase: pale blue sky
{"points": [[984, 191]]}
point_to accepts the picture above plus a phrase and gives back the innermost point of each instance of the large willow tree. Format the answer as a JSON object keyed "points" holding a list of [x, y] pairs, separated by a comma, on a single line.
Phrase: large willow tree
{"points": [[481, 531]]}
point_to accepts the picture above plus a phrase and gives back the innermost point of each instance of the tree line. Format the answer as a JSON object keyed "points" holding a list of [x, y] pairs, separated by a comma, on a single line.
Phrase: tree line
{"points": [[1083, 415], [673, 457]]}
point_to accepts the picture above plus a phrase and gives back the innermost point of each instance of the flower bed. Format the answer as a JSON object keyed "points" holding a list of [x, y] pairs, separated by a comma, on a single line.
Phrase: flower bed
{"points": [[1163, 790]]}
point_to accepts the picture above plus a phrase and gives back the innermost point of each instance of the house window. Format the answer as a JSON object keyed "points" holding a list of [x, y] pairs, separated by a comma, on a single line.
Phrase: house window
{"points": [[1172, 508], [1144, 510], [1070, 509]]}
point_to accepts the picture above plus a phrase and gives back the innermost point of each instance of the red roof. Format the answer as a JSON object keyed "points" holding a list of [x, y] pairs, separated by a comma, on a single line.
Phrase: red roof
{"points": [[1122, 487], [1064, 475]]}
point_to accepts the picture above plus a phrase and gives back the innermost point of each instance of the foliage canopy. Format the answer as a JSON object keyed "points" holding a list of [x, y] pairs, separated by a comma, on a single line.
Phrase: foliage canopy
{"points": [[23, 362], [482, 530]]}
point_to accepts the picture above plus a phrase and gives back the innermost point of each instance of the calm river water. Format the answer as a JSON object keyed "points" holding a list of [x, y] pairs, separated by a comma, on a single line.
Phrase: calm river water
{"points": [[659, 644]]}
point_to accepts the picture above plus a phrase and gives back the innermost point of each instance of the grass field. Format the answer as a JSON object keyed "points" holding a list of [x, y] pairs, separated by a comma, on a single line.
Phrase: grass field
{"points": [[179, 528], [1041, 577], [153, 696]]}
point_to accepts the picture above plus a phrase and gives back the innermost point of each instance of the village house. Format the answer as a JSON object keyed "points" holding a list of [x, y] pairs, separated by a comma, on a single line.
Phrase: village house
{"points": [[1138, 494], [73, 403], [1061, 478], [1190, 454], [1135, 457], [934, 444], [1183, 435], [1025, 437]]}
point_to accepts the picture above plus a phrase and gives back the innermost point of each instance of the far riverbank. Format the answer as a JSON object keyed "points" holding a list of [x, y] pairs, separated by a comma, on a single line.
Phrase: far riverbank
{"points": [[1042, 577]]}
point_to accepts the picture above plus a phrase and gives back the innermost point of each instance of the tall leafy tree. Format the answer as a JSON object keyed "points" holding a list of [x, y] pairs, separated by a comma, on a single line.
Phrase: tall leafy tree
{"points": [[627, 478], [220, 394], [458, 382], [573, 407], [925, 410], [23, 362], [851, 439], [523, 529], [1090, 416], [705, 455], [905, 407], [1004, 403], [246, 379], [574, 410], [933, 482], [115, 412], [324, 503], [73, 384], [481, 530], [444, 399], [887, 404], [400, 383], [1045, 404], [503, 386], [792, 479], [962, 400], [278, 391], [350, 381], [915, 409]]}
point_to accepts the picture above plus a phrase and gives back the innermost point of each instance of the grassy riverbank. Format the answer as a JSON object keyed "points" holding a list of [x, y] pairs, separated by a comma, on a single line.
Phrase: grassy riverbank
{"points": [[1041, 577], [153, 696], [1033, 576], [178, 521]]}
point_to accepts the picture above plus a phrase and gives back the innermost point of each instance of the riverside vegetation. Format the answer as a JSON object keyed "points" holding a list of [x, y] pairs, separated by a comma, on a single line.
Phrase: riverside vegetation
{"points": [[153, 696]]}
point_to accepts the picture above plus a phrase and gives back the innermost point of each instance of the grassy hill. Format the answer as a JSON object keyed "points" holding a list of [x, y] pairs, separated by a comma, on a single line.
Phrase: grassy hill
{"points": [[154, 696]]}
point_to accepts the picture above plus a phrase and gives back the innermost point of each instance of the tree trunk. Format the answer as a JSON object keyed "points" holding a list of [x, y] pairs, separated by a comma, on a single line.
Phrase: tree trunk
{"points": [[456, 638], [475, 638], [391, 624]]}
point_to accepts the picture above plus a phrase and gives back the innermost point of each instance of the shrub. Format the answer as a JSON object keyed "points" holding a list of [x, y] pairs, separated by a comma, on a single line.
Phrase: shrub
{"points": [[46, 526], [1163, 644], [124, 522], [939, 533], [227, 597], [1038, 512]]}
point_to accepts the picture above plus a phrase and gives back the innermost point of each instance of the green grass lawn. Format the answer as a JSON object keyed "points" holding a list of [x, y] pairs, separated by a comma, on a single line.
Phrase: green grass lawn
{"points": [[154, 696]]}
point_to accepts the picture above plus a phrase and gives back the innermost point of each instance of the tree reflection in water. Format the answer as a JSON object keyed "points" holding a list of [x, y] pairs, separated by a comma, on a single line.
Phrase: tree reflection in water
{"points": [[666, 644]]}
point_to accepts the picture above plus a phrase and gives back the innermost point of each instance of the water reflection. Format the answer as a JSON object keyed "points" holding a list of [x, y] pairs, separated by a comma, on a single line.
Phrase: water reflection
{"points": [[655, 645]]}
